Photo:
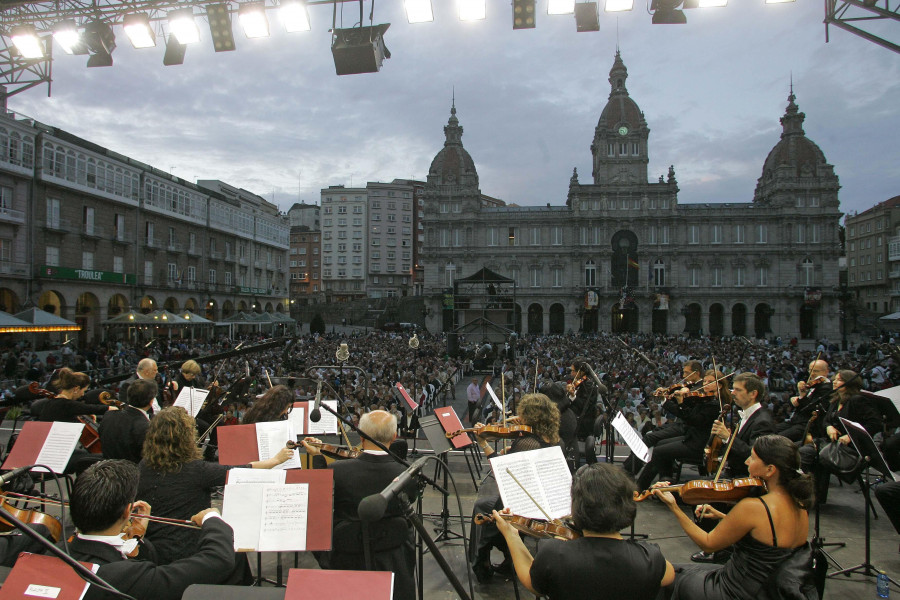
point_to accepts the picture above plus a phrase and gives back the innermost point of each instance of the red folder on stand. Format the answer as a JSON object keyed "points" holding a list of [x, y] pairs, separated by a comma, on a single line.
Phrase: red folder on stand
{"points": [[237, 444], [303, 584], [450, 422], [37, 576]]}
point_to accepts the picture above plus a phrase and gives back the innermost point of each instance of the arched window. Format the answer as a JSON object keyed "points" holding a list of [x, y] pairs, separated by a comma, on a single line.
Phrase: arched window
{"points": [[807, 272], [659, 273], [590, 274]]}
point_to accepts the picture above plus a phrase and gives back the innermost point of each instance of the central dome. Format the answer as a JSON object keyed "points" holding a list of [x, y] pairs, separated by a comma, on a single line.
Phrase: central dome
{"points": [[453, 165]]}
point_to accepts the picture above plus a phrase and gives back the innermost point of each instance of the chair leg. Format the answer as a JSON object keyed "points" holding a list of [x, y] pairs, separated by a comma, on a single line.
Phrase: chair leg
{"points": [[676, 471]]}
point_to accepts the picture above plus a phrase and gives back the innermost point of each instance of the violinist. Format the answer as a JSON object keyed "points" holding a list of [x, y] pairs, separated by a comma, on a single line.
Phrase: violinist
{"points": [[696, 412], [122, 432], [146, 369], [568, 422], [812, 394], [539, 413], [189, 375], [692, 372], [768, 533], [584, 396], [103, 498], [846, 402], [274, 405], [600, 564]]}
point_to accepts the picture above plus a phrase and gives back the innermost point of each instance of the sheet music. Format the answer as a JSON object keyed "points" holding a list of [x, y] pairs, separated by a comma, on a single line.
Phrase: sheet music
{"points": [[494, 397], [59, 445], [285, 513], [631, 437], [544, 473], [328, 422], [237, 476], [191, 399], [297, 418], [242, 509], [271, 437]]}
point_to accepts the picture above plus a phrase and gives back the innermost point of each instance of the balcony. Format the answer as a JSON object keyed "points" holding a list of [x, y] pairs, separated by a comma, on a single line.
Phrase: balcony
{"points": [[194, 251], [8, 215], [59, 225], [244, 261], [13, 268], [93, 232], [894, 274], [123, 237], [216, 256], [153, 243], [894, 249], [175, 248]]}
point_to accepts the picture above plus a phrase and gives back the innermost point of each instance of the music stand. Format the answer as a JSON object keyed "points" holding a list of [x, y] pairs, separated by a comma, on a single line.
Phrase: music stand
{"points": [[867, 449], [437, 437]]}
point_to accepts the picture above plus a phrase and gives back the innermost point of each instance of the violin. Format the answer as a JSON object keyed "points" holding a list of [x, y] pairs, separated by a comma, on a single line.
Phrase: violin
{"points": [[705, 491], [807, 438], [90, 436], [32, 517], [335, 452], [533, 527], [493, 431], [714, 445], [572, 387]]}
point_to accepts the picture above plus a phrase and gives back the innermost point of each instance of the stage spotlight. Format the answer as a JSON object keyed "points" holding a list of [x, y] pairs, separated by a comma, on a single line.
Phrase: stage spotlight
{"points": [[295, 16], [101, 41], [220, 27], [174, 52], [419, 11], [183, 27], [252, 16], [619, 5], [560, 7], [472, 10], [137, 28], [665, 12], [587, 17], [523, 14], [66, 35], [359, 49], [26, 41]]}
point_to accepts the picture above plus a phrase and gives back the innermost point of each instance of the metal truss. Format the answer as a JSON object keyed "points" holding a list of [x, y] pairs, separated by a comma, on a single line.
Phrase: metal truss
{"points": [[850, 15]]}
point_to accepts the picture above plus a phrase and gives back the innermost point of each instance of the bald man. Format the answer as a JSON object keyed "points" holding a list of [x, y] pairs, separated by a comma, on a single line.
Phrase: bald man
{"points": [[146, 369], [810, 397], [354, 479]]}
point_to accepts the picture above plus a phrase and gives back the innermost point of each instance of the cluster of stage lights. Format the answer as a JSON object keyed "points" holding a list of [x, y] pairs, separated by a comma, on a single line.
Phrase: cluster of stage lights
{"points": [[97, 38]]}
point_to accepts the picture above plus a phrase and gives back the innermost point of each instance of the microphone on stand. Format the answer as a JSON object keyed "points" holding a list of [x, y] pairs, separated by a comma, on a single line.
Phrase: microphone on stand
{"points": [[13, 474], [372, 507], [315, 414]]}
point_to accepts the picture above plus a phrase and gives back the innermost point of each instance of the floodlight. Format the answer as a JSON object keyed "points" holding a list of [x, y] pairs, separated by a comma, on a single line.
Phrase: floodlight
{"points": [[137, 28], [295, 16], [560, 7], [711, 3], [26, 41], [619, 5], [183, 27], [252, 16], [587, 17], [66, 35], [523, 14], [174, 52], [359, 49], [101, 41], [472, 10], [418, 11], [665, 12], [220, 27]]}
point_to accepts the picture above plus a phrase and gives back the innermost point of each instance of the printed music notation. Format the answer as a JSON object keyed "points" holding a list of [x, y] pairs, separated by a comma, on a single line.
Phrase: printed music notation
{"points": [[270, 439], [543, 473], [191, 399], [631, 437], [59, 445], [267, 517]]}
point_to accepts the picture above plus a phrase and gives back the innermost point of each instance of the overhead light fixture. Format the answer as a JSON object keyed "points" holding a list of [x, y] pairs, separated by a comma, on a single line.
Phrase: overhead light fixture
{"points": [[183, 27], [418, 11], [472, 10], [619, 5], [359, 49], [523, 14], [101, 41], [560, 7], [174, 51], [587, 17], [712, 3], [295, 16], [252, 16], [27, 42], [66, 35], [220, 27], [665, 12], [137, 28]]}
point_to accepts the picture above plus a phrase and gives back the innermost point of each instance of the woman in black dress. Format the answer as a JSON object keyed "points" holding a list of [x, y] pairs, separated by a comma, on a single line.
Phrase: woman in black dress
{"points": [[600, 564]]}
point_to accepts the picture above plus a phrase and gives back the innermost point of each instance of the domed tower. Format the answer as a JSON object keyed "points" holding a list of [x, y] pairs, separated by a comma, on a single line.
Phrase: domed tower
{"points": [[620, 138], [453, 171], [796, 169]]}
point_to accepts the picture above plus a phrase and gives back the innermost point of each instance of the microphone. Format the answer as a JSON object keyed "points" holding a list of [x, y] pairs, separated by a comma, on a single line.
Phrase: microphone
{"points": [[315, 414], [372, 507], [13, 474], [483, 351]]}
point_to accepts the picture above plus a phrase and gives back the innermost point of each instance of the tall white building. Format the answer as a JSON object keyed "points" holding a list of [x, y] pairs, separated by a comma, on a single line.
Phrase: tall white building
{"points": [[344, 238]]}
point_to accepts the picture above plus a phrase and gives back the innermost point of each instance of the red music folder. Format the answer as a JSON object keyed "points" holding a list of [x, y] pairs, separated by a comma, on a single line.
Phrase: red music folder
{"points": [[339, 585], [321, 502], [413, 405], [237, 444], [450, 422], [38, 576], [32, 439]]}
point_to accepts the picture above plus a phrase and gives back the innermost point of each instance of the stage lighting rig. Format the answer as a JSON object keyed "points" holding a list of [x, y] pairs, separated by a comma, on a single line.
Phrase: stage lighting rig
{"points": [[359, 49]]}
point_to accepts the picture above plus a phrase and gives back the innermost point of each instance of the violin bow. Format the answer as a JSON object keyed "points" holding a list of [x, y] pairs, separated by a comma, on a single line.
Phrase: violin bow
{"points": [[530, 497], [537, 363], [715, 376], [725, 455], [269, 379]]}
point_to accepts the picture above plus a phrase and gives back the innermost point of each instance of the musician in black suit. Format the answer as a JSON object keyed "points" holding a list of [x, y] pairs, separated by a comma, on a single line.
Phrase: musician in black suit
{"points": [[146, 369], [754, 420], [354, 479], [122, 432], [102, 499], [812, 396], [584, 395]]}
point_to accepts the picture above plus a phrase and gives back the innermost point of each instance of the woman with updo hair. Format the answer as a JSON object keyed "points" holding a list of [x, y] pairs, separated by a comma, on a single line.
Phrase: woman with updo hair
{"points": [[600, 564], [274, 405], [67, 405], [771, 557]]}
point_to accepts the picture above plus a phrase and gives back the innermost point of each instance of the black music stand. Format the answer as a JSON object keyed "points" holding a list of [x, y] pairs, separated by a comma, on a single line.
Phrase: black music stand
{"points": [[437, 437], [867, 449]]}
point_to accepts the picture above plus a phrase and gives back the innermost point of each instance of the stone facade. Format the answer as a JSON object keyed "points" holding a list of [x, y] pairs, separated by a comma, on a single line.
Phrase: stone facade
{"points": [[873, 257], [622, 254]]}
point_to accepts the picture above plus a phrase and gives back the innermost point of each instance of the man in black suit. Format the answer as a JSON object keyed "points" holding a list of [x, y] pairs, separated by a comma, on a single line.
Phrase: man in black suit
{"points": [[146, 369], [813, 396], [354, 479], [122, 432], [102, 501]]}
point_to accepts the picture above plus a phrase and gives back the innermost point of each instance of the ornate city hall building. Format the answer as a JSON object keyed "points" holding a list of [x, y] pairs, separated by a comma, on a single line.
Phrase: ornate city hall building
{"points": [[622, 254]]}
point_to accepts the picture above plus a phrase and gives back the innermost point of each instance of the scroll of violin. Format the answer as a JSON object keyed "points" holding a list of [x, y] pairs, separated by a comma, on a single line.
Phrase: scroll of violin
{"points": [[335, 452], [533, 527], [493, 431], [704, 491]]}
